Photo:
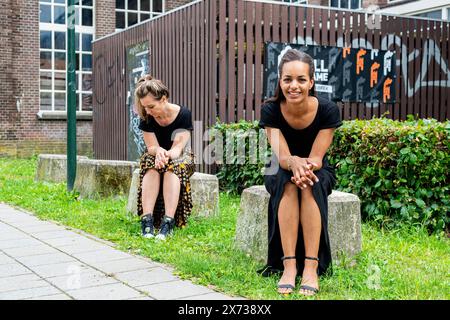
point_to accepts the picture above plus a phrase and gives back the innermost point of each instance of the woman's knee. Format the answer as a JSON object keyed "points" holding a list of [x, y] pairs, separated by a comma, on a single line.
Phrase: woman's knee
{"points": [[290, 189], [171, 176], [151, 173], [307, 193]]}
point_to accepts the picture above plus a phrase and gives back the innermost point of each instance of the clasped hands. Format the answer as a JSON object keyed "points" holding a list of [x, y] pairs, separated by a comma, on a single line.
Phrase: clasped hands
{"points": [[162, 157], [303, 171]]}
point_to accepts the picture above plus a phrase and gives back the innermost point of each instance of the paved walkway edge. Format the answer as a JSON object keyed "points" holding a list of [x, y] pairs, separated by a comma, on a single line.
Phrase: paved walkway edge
{"points": [[48, 261]]}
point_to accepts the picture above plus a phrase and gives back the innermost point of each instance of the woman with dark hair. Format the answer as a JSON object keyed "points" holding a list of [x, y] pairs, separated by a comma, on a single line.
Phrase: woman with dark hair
{"points": [[164, 196], [300, 129]]}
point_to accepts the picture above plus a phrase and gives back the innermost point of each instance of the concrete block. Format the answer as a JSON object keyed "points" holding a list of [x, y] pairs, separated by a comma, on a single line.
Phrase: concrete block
{"points": [[104, 178], [344, 224], [53, 167], [204, 192], [132, 194]]}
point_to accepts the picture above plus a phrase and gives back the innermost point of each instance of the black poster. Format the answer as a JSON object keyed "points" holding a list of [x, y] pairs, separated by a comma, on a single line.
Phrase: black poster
{"points": [[341, 74], [137, 66]]}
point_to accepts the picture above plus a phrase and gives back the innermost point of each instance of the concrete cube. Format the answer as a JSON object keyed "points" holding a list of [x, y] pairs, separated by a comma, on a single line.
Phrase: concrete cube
{"points": [[104, 178], [53, 167], [344, 224], [204, 192]]}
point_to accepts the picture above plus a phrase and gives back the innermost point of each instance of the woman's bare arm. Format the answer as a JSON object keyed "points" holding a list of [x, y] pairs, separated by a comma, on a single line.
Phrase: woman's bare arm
{"points": [[151, 142], [279, 146], [179, 143], [320, 146]]}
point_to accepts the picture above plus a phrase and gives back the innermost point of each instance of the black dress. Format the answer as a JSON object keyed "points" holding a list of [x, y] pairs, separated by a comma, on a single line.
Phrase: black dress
{"points": [[300, 142]]}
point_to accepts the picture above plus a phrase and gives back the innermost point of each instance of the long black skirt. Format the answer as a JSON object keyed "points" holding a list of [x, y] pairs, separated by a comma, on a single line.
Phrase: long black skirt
{"points": [[275, 186]]}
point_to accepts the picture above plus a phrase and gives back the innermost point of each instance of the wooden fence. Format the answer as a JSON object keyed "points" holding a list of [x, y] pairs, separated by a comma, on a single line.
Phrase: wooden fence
{"points": [[211, 54]]}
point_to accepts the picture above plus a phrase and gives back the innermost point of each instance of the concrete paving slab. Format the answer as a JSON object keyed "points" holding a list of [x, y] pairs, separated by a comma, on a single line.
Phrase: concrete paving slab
{"points": [[146, 277], [21, 282], [45, 259], [141, 298], [30, 251], [31, 293], [8, 213], [12, 235], [116, 291], [58, 269], [18, 243], [117, 266], [208, 296], [14, 269], [104, 255], [81, 247], [6, 228], [4, 259], [74, 239], [174, 290], [42, 227], [81, 279], [46, 235], [61, 296], [21, 221]]}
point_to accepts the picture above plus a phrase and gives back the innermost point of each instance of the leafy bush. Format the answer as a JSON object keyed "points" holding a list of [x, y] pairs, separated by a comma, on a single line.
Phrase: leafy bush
{"points": [[245, 150], [399, 170]]}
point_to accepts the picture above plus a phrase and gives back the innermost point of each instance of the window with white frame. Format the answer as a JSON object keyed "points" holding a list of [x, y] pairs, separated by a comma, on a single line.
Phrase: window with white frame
{"points": [[346, 4], [53, 46], [435, 14], [131, 12], [442, 13]]}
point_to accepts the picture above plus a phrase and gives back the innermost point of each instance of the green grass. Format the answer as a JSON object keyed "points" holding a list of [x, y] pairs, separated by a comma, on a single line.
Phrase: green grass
{"points": [[396, 264]]}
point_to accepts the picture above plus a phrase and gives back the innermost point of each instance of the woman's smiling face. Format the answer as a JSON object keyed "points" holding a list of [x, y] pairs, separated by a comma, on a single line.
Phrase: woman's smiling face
{"points": [[295, 81]]}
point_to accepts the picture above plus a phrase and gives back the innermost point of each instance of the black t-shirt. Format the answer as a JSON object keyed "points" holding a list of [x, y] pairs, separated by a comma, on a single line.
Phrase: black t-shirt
{"points": [[166, 134], [300, 141]]}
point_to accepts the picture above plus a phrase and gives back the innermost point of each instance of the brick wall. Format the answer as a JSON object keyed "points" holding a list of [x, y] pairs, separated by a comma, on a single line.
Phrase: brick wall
{"points": [[365, 3], [21, 133], [105, 18], [379, 3], [319, 2], [172, 4]]}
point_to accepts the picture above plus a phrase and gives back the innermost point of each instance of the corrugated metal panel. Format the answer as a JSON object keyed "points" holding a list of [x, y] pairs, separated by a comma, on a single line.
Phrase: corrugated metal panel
{"points": [[210, 54]]}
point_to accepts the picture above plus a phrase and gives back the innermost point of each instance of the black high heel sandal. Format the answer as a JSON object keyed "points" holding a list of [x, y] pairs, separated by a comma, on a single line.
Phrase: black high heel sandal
{"points": [[286, 285], [312, 290]]}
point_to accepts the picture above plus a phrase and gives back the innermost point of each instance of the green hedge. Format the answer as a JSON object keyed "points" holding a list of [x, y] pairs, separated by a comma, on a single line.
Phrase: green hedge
{"points": [[399, 170], [235, 177]]}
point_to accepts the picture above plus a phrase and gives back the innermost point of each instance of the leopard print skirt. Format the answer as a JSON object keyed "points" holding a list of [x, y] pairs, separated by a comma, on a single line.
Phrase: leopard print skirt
{"points": [[184, 168]]}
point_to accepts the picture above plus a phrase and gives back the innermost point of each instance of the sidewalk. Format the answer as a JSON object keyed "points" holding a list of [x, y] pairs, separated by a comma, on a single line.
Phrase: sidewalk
{"points": [[45, 261]]}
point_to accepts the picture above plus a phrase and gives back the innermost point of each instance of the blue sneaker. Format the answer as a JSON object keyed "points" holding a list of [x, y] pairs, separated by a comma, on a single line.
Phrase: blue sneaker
{"points": [[147, 226], [167, 226]]}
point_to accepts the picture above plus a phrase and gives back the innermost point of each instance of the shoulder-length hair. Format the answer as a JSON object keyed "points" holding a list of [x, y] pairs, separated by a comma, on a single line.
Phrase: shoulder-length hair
{"points": [[145, 86]]}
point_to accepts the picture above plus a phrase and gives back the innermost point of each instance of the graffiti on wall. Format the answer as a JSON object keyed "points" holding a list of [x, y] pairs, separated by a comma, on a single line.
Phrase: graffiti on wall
{"points": [[137, 66], [340, 74], [430, 51], [106, 74]]}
